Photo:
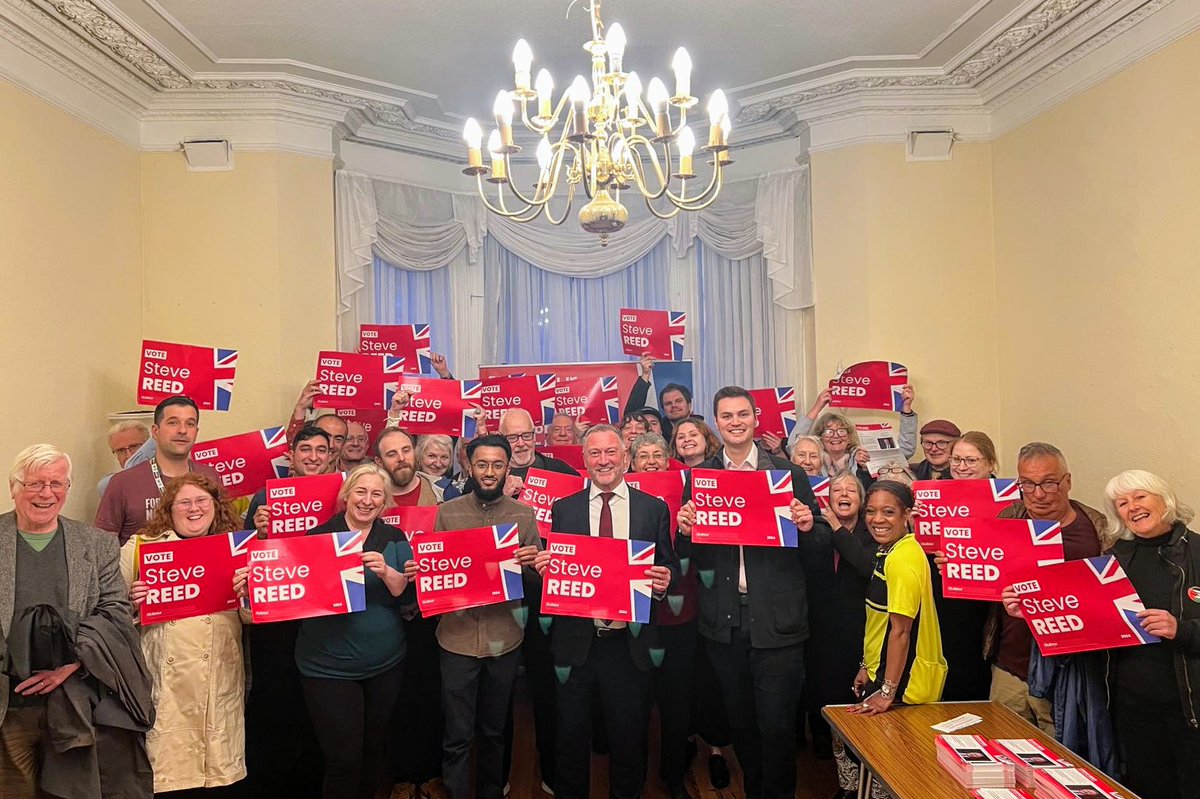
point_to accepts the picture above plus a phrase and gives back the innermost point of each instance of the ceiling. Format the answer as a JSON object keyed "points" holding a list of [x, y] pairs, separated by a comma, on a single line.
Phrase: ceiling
{"points": [[405, 74]]}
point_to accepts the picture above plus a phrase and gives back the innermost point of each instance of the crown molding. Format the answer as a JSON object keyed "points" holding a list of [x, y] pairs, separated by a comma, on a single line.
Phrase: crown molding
{"points": [[90, 59]]}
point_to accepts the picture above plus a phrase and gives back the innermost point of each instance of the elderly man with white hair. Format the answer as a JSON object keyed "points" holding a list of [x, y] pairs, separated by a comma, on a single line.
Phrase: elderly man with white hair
{"points": [[60, 580]]}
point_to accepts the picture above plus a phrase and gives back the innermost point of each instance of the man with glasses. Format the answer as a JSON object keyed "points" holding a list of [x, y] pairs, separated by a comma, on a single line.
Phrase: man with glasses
{"points": [[132, 494], [354, 451], [936, 439], [1045, 483], [480, 648], [516, 425]]}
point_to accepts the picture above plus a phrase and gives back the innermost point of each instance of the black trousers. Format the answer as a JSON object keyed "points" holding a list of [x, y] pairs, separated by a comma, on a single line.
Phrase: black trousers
{"points": [[1161, 752], [476, 693], [416, 730], [351, 720], [624, 692], [762, 690], [542, 684]]}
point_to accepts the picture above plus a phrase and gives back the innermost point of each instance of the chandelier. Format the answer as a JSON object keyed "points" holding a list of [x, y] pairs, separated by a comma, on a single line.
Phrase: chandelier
{"points": [[608, 140]]}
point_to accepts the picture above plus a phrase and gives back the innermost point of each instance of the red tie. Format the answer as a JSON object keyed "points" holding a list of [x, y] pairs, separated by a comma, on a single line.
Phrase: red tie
{"points": [[606, 528]]}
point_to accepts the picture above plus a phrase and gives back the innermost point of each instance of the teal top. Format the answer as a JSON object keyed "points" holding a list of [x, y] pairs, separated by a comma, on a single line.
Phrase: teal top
{"points": [[356, 646]]}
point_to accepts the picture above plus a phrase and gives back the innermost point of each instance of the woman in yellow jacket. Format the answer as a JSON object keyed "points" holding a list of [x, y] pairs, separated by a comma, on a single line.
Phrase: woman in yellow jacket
{"points": [[198, 741]]}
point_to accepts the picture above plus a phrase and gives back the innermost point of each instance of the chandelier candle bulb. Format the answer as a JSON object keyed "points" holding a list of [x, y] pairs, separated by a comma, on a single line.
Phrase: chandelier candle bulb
{"points": [[657, 95], [682, 65], [545, 87], [503, 109], [687, 145], [616, 47], [633, 96], [718, 112], [579, 98], [473, 136], [496, 148], [522, 61]]}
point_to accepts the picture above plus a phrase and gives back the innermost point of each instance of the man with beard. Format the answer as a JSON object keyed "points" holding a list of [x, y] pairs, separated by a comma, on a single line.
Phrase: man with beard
{"points": [[481, 647], [416, 747], [132, 494]]}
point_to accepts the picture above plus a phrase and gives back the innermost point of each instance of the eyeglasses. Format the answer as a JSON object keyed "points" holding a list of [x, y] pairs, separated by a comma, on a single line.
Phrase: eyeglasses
{"points": [[959, 460], [892, 470], [36, 486], [835, 432], [356, 439], [1047, 486], [200, 503], [927, 444], [515, 437]]}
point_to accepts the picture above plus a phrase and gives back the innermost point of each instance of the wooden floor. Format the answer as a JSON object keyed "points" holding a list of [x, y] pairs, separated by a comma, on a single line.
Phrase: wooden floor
{"points": [[816, 779]]}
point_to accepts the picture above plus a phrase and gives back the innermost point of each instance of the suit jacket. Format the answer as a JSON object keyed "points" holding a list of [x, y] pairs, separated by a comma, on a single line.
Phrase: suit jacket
{"points": [[649, 520], [94, 581], [775, 577]]}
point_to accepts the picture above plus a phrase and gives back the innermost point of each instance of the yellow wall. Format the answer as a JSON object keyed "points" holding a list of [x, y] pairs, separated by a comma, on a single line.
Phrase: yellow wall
{"points": [[70, 312], [1098, 266], [243, 259], [904, 271]]}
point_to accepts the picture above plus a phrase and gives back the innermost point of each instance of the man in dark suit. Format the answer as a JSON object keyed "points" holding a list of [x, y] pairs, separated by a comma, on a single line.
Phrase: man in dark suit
{"points": [[754, 611], [607, 659]]}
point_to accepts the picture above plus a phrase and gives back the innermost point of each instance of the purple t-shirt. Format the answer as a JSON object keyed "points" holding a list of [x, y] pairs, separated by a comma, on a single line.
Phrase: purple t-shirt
{"points": [[131, 497]]}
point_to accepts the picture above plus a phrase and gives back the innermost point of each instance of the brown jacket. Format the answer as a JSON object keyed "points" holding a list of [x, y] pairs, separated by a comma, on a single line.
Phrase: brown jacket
{"points": [[491, 630]]}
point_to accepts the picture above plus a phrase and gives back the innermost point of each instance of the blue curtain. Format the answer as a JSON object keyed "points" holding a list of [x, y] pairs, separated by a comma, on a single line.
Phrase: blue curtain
{"points": [[404, 297], [543, 317], [733, 340]]}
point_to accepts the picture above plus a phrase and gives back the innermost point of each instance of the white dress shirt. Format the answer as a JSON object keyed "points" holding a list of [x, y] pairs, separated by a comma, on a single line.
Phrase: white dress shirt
{"points": [[748, 465], [618, 505]]}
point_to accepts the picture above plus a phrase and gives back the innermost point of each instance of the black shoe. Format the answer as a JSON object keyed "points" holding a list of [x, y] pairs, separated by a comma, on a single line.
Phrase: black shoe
{"points": [[822, 747], [718, 772], [678, 792]]}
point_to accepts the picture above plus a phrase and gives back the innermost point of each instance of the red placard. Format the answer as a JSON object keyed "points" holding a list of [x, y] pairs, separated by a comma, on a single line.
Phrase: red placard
{"points": [[533, 393], [542, 489], [246, 462], [351, 380], [776, 410], [412, 519], [373, 421], [872, 384], [440, 407], [308, 576], [190, 576], [982, 555], [744, 508], [203, 373], [598, 578], [410, 342], [667, 486], [570, 455], [592, 402], [295, 505], [1080, 606], [657, 333], [940, 502], [820, 488], [467, 568]]}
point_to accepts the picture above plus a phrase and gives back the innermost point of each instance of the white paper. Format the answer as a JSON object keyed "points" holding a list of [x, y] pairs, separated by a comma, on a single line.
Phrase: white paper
{"points": [[881, 445], [958, 723]]}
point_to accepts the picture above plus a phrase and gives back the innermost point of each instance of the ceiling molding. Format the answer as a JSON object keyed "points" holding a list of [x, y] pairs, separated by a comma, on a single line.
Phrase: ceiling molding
{"points": [[95, 62]]}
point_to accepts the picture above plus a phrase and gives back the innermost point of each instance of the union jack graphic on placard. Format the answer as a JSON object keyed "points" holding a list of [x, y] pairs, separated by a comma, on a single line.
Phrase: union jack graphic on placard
{"points": [[789, 535], [779, 481], [820, 489], [392, 365], [1047, 534], [676, 323], [1106, 568], [786, 396], [1005, 489], [641, 553], [506, 537], [422, 349], [612, 406], [239, 541], [223, 385], [352, 579], [1129, 606], [470, 393], [272, 438], [897, 371], [546, 384]]}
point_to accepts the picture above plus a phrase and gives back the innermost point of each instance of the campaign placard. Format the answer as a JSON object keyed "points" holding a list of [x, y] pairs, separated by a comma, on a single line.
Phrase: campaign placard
{"points": [[667, 486], [750, 509], [374, 422], [572, 455], [351, 380], [308, 576], [440, 407], [190, 576], [656, 333], [598, 578], [542, 489], [467, 568], [820, 488], [203, 373], [295, 505], [533, 393], [411, 519], [1081, 606], [776, 410], [590, 401], [410, 342], [941, 502], [246, 462], [983, 555], [872, 384]]}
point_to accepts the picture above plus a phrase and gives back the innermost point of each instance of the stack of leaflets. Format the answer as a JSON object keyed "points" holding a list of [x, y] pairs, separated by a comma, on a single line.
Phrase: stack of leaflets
{"points": [[1000, 793], [1029, 756], [970, 761], [1072, 783]]}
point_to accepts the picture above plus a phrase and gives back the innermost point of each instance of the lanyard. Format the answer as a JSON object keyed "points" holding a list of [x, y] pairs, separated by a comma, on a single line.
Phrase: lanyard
{"points": [[158, 475]]}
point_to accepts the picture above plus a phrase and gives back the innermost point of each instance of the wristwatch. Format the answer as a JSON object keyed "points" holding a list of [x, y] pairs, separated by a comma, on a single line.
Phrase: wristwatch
{"points": [[888, 689]]}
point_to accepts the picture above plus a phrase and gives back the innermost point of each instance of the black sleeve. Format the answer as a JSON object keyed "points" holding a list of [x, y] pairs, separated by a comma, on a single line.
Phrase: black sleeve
{"points": [[664, 553], [857, 548], [637, 396]]}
